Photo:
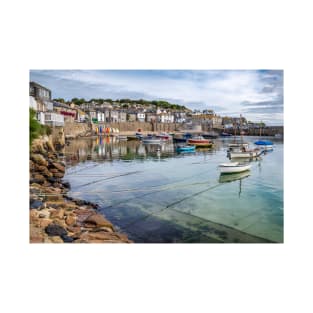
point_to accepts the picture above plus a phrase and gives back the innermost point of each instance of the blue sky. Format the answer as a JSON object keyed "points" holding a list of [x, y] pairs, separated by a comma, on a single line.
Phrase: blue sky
{"points": [[256, 94]]}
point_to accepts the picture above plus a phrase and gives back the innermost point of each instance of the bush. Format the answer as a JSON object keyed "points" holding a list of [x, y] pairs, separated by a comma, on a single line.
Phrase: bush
{"points": [[35, 128]]}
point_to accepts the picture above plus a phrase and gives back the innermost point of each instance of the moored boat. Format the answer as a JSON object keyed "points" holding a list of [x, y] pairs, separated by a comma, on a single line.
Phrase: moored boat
{"points": [[266, 144], [151, 140], [199, 141], [224, 134], [237, 146], [185, 148], [245, 153], [164, 136], [122, 138], [234, 167]]}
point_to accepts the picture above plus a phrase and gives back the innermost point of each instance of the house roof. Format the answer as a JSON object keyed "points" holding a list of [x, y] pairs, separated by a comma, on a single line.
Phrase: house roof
{"points": [[38, 85]]}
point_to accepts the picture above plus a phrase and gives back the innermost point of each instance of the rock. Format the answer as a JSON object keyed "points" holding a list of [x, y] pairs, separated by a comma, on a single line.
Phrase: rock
{"points": [[51, 179], [58, 175], [53, 170], [56, 239], [47, 173], [59, 167], [39, 159], [66, 185], [70, 220], [53, 197], [55, 230], [98, 220], [57, 214], [54, 204], [69, 206], [50, 146], [66, 238], [31, 165], [35, 234], [38, 178], [44, 222], [35, 181], [36, 204], [45, 213], [37, 146]]}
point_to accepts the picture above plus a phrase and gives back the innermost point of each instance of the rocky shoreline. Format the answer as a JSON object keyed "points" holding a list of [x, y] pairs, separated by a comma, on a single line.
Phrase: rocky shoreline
{"points": [[55, 217]]}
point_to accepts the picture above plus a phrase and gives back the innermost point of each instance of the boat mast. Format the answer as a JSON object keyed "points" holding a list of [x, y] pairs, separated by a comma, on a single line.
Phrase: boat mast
{"points": [[241, 130]]}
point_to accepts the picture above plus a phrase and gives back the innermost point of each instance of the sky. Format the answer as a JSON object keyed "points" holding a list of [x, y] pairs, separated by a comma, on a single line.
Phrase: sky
{"points": [[256, 94]]}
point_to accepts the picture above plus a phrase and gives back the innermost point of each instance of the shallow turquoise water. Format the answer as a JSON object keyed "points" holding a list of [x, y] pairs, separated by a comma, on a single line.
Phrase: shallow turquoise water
{"points": [[162, 196]]}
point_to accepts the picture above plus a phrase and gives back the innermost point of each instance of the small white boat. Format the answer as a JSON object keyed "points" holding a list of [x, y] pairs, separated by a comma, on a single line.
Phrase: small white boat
{"points": [[245, 154], [122, 138], [233, 167], [238, 145], [151, 140]]}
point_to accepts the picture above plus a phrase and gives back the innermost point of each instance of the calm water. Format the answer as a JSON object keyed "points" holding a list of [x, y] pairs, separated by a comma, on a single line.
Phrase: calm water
{"points": [[154, 194]]}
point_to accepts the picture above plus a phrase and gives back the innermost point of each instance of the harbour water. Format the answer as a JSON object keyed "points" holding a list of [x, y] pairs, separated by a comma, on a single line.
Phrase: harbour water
{"points": [[155, 195]]}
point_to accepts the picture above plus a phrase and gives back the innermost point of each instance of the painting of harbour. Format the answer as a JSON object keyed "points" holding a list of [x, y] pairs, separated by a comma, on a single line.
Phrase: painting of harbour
{"points": [[160, 169]]}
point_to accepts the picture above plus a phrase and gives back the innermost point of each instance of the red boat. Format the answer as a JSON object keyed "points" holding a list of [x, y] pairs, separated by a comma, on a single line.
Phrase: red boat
{"points": [[163, 136], [199, 141]]}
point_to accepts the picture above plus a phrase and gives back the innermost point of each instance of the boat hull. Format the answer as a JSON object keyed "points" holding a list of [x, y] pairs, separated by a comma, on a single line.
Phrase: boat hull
{"points": [[248, 154], [151, 141], [200, 143], [186, 149], [234, 169]]}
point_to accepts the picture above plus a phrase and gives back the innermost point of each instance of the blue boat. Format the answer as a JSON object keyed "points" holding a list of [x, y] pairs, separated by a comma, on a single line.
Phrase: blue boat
{"points": [[263, 143], [266, 144], [224, 134], [185, 148]]}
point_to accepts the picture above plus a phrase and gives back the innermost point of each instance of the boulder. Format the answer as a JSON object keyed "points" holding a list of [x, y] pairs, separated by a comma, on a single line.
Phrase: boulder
{"points": [[66, 238], [58, 175], [98, 220], [59, 213], [38, 178], [56, 239], [66, 185], [59, 167], [55, 230], [36, 204], [39, 159], [70, 220]]}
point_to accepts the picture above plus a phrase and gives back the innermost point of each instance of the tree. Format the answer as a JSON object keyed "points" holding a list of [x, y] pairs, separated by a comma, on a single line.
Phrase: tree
{"points": [[61, 100]]}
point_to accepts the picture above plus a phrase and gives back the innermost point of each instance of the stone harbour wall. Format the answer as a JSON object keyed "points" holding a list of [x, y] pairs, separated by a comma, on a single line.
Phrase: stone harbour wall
{"points": [[144, 126]]}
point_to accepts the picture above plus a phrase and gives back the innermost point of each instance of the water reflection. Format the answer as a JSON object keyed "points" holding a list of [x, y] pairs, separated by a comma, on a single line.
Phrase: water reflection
{"points": [[105, 148], [227, 178]]}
